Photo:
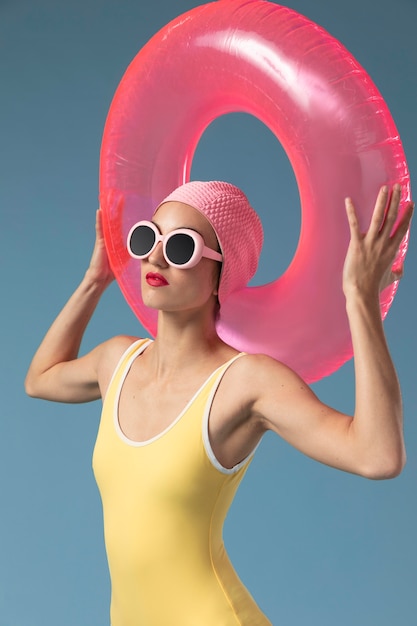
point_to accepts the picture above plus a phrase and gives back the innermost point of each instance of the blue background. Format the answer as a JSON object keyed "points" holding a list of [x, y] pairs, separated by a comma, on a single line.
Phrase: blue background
{"points": [[315, 546]]}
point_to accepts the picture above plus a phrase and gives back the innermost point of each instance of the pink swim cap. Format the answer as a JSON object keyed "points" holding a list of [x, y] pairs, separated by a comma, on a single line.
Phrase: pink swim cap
{"points": [[237, 227]]}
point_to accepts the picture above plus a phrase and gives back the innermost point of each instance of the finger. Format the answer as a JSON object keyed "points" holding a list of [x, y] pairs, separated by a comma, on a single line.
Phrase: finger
{"points": [[379, 213], [403, 225], [99, 223], [352, 218], [391, 213]]}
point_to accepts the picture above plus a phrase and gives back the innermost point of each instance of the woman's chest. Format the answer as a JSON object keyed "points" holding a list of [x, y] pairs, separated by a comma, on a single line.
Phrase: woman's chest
{"points": [[147, 405], [146, 408]]}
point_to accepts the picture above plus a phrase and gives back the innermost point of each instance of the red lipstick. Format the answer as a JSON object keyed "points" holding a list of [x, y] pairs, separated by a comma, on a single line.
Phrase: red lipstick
{"points": [[156, 280]]}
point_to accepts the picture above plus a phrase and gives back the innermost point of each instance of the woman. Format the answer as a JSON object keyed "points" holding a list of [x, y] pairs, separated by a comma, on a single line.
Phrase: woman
{"points": [[183, 414]]}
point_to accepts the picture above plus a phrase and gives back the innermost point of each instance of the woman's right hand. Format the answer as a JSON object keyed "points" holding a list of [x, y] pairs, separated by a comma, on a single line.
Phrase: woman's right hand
{"points": [[57, 372], [99, 270]]}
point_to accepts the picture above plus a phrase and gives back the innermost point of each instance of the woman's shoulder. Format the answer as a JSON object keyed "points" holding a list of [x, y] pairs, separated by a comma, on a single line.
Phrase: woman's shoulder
{"points": [[112, 350], [115, 347], [257, 371], [258, 362]]}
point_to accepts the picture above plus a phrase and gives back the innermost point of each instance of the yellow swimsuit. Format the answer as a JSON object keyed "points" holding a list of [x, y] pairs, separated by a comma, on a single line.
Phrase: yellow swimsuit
{"points": [[164, 503]]}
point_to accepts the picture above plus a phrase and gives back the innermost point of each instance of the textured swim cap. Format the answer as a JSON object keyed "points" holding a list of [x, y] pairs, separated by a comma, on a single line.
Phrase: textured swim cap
{"points": [[237, 227]]}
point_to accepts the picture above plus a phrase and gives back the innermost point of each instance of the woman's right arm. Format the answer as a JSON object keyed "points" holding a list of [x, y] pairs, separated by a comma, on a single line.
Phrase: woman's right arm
{"points": [[56, 373]]}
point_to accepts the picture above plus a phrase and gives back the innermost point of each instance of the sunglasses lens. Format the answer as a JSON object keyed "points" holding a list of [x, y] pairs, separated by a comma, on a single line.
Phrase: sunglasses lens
{"points": [[142, 240], [180, 248]]}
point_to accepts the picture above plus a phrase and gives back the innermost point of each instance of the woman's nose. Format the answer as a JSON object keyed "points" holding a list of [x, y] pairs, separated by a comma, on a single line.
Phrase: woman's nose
{"points": [[156, 257]]}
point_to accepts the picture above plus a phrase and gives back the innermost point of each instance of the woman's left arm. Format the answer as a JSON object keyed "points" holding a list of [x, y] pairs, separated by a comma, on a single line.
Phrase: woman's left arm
{"points": [[378, 422], [371, 442]]}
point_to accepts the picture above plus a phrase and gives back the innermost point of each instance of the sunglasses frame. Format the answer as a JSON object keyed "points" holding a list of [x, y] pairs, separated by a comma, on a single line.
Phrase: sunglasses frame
{"points": [[200, 249]]}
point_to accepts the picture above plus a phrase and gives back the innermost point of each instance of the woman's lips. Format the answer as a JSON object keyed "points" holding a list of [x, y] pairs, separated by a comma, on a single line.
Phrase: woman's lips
{"points": [[156, 280]]}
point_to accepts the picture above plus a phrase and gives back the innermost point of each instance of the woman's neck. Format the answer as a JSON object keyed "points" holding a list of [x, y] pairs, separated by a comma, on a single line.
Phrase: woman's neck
{"points": [[185, 338]]}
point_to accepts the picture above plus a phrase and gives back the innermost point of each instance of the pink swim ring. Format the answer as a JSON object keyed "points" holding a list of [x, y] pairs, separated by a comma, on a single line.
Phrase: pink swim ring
{"points": [[260, 58]]}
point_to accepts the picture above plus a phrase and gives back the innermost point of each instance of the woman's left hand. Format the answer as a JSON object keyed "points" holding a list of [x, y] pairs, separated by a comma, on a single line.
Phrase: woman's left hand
{"points": [[369, 261]]}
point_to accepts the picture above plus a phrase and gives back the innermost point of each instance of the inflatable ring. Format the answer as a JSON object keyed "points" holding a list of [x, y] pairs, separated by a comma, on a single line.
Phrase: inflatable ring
{"points": [[260, 58]]}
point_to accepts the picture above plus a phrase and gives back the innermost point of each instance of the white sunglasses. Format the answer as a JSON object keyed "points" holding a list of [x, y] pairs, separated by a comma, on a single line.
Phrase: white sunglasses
{"points": [[182, 248]]}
